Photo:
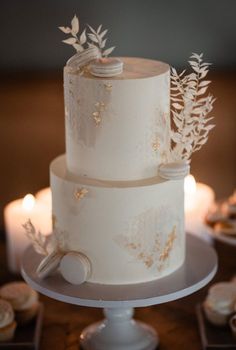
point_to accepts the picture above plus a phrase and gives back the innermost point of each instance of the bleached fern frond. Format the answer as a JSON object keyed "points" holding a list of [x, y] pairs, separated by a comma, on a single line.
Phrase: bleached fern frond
{"points": [[37, 239], [75, 40], [190, 108], [42, 244], [96, 38]]}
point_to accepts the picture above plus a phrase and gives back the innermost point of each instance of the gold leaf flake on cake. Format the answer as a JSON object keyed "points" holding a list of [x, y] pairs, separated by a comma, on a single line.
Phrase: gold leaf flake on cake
{"points": [[80, 193], [97, 115], [147, 245], [168, 246], [108, 87], [156, 145]]}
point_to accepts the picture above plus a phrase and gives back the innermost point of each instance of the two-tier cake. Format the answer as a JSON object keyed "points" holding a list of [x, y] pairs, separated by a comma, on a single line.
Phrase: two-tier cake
{"points": [[118, 192]]}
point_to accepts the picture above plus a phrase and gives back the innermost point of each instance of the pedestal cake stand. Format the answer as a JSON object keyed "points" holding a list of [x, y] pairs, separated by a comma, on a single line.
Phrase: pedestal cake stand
{"points": [[119, 331]]}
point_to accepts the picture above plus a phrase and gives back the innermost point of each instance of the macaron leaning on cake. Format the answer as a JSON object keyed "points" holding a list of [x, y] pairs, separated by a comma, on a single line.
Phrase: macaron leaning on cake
{"points": [[23, 299], [219, 304], [7, 321]]}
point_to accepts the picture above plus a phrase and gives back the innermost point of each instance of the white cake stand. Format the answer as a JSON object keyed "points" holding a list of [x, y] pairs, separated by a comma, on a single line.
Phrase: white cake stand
{"points": [[119, 331]]}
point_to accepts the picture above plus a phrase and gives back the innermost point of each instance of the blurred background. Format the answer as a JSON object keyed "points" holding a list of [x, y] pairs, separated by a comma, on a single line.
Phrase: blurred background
{"points": [[31, 85]]}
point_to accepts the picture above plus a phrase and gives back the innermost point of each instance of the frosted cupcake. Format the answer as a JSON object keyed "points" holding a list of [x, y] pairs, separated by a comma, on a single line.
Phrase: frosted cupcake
{"points": [[7, 322], [219, 304], [232, 324], [23, 299]]}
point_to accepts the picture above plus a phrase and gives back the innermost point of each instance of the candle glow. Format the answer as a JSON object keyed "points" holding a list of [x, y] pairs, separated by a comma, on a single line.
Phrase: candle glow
{"points": [[198, 198], [28, 202]]}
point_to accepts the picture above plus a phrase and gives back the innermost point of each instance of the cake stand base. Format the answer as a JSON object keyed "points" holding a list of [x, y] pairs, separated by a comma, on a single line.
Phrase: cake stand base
{"points": [[119, 331]]}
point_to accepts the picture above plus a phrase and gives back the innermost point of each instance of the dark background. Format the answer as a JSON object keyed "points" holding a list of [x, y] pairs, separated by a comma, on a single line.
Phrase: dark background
{"points": [[166, 30], [31, 87]]}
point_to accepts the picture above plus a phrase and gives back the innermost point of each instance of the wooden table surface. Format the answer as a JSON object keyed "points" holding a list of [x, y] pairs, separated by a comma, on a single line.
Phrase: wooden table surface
{"points": [[175, 321]]}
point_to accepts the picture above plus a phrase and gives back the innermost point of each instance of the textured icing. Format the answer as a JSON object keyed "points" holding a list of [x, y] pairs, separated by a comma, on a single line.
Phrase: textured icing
{"points": [[131, 232], [118, 128]]}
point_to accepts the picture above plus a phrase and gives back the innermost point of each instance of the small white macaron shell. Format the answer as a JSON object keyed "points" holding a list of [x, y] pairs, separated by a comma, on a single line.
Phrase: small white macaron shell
{"points": [[49, 264], [75, 268], [174, 171], [106, 67]]}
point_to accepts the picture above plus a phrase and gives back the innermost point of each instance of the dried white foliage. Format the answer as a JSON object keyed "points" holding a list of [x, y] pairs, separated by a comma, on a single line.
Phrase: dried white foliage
{"points": [[190, 109], [42, 244], [38, 240], [75, 40], [96, 38]]}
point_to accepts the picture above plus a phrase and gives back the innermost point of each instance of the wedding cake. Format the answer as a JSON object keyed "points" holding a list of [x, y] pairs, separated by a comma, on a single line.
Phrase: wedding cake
{"points": [[118, 192]]}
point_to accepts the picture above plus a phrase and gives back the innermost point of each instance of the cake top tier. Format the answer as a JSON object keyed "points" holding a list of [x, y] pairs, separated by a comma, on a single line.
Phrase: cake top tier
{"points": [[133, 68]]}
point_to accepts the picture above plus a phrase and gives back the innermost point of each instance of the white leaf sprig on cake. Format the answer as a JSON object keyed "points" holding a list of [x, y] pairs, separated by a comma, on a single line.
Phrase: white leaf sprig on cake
{"points": [[95, 38], [37, 239], [76, 41], [42, 244], [190, 109]]}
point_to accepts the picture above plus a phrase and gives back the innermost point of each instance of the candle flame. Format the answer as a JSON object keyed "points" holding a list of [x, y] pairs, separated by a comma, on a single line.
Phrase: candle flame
{"points": [[28, 202], [190, 190], [190, 186]]}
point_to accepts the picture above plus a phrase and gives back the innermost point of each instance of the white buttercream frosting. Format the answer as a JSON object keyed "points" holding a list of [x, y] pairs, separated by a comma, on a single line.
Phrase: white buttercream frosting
{"points": [[118, 128], [6, 313], [19, 294], [222, 297], [131, 231]]}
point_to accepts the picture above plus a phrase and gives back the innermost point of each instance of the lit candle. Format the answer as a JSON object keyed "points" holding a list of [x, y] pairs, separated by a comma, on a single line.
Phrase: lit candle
{"points": [[16, 214], [198, 199], [45, 196]]}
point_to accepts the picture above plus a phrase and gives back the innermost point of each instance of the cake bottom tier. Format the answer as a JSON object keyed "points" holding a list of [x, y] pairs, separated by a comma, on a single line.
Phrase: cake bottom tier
{"points": [[132, 232]]}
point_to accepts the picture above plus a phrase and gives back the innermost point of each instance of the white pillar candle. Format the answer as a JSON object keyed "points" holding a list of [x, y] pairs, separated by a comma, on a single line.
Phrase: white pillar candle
{"points": [[16, 214], [198, 199], [45, 196]]}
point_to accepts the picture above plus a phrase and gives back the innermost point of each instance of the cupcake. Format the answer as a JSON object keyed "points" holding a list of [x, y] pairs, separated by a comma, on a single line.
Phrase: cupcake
{"points": [[219, 304], [232, 324], [23, 299], [7, 322]]}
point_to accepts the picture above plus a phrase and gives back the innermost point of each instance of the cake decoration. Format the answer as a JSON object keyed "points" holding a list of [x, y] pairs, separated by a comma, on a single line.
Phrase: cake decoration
{"points": [[49, 264], [97, 114], [152, 250], [90, 47], [108, 87], [169, 245], [53, 247], [75, 268], [190, 112], [81, 193]]}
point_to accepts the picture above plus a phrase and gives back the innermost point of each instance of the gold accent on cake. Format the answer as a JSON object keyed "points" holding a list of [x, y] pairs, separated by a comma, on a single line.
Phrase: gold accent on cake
{"points": [[168, 246], [108, 87], [81, 193], [156, 145], [97, 115], [155, 250]]}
